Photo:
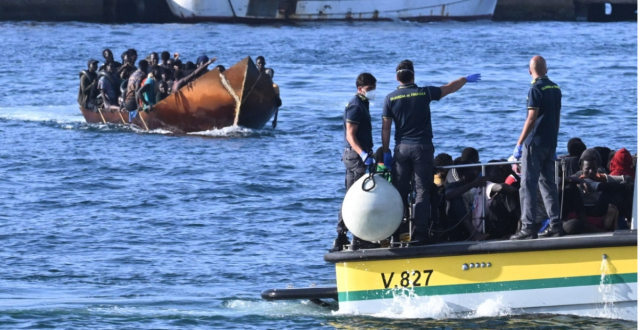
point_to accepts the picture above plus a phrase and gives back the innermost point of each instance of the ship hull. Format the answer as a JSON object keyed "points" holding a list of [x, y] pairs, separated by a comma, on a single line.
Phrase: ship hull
{"points": [[317, 10], [590, 276]]}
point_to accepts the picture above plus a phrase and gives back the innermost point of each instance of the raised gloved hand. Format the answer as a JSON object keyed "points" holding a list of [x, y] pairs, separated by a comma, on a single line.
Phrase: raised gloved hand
{"points": [[473, 77], [368, 160], [388, 159], [517, 152]]}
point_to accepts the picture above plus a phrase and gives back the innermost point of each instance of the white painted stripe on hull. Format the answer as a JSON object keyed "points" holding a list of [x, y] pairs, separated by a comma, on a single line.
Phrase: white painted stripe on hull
{"points": [[621, 302]]}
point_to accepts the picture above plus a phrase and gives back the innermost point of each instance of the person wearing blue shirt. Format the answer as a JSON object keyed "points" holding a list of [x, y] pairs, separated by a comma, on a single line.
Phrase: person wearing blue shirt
{"points": [[408, 108], [537, 148], [358, 146]]}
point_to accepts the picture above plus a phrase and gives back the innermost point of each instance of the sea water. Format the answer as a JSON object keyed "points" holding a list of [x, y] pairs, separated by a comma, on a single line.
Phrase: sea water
{"points": [[112, 227]]}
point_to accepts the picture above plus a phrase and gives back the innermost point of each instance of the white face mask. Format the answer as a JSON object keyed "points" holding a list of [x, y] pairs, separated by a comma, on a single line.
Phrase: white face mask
{"points": [[370, 95]]}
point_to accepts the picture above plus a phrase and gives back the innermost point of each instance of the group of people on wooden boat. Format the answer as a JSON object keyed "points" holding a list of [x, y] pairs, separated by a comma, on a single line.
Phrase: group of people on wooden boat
{"points": [[596, 190], [123, 86]]}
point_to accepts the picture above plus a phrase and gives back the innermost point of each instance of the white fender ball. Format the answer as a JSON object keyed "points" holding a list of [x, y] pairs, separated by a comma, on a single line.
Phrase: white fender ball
{"points": [[372, 215]]}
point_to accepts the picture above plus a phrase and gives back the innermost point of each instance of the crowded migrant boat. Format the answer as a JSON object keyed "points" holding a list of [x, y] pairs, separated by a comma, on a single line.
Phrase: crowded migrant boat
{"points": [[119, 92]]}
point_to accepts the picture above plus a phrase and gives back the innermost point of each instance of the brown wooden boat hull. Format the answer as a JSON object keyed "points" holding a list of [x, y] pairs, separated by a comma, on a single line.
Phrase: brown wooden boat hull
{"points": [[240, 96], [115, 117]]}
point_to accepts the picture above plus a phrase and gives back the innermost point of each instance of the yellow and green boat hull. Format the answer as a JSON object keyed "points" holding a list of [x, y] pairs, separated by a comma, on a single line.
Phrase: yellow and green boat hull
{"points": [[581, 279]]}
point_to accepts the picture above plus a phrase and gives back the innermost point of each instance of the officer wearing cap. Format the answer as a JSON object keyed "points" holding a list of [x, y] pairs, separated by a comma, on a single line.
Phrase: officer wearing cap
{"points": [[537, 148], [408, 108], [358, 146]]}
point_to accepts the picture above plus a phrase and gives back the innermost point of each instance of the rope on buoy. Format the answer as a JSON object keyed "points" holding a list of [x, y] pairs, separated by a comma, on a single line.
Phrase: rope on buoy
{"points": [[372, 172]]}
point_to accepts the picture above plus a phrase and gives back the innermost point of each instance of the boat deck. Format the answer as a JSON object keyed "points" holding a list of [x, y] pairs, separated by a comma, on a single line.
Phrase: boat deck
{"points": [[608, 239]]}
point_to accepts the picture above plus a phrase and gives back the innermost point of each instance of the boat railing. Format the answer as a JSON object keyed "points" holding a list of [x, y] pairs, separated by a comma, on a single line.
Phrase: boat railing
{"points": [[484, 166]]}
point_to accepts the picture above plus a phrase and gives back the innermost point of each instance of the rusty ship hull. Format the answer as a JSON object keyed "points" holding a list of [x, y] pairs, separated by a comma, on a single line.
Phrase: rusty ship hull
{"points": [[240, 96]]}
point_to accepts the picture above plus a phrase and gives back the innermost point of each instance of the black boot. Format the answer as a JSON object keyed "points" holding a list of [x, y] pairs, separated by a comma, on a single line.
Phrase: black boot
{"points": [[525, 234], [339, 243], [553, 232]]}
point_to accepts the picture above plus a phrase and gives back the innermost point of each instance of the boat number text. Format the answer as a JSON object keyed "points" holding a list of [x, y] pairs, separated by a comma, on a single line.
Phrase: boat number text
{"points": [[406, 279]]}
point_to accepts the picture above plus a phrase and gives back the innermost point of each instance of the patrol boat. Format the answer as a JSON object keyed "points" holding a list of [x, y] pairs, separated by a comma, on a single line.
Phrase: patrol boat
{"points": [[314, 10], [588, 275], [240, 96]]}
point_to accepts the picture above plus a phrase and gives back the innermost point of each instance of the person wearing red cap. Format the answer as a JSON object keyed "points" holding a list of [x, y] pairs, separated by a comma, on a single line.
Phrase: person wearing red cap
{"points": [[622, 164]]}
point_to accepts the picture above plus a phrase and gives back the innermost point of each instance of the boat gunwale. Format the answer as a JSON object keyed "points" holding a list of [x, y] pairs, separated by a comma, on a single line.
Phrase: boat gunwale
{"points": [[612, 239]]}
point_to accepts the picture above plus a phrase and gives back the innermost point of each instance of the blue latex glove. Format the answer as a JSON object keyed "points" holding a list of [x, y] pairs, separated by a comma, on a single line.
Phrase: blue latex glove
{"points": [[473, 77], [366, 158], [517, 152], [388, 159]]}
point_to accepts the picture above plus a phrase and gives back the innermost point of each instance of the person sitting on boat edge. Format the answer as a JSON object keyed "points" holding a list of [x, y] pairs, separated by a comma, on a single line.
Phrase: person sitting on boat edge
{"points": [[108, 85], [408, 108], [537, 148], [358, 145], [129, 67], [261, 64], [135, 82], [270, 73], [88, 83], [108, 58]]}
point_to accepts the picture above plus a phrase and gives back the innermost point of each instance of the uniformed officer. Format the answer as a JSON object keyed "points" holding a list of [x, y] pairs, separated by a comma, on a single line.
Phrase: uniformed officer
{"points": [[537, 148], [408, 107], [358, 145]]}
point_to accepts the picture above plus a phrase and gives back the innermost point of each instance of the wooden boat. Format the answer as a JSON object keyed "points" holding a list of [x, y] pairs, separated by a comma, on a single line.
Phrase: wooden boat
{"points": [[313, 10], [240, 96]]}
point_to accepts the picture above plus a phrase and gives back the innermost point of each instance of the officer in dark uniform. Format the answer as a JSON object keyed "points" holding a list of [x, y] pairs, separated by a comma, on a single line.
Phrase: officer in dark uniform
{"points": [[358, 145], [537, 148], [408, 108]]}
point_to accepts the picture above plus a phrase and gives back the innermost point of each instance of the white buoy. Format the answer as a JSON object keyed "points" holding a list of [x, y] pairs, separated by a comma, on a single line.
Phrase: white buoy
{"points": [[372, 215]]}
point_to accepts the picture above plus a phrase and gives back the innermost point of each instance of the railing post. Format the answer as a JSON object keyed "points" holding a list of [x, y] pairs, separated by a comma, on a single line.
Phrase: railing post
{"points": [[484, 187], [555, 162]]}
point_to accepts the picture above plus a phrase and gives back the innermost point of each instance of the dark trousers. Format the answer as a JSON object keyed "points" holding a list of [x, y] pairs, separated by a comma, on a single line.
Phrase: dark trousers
{"points": [[538, 170], [355, 168], [415, 160]]}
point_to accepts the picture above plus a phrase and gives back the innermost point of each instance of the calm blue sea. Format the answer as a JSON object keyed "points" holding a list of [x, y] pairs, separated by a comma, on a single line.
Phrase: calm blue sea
{"points": [[111, 227]]}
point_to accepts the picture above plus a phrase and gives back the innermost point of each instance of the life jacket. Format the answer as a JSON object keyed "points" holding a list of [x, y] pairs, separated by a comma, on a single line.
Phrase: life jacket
{"points": [[112, 79], [123, 86], [82, 98]]}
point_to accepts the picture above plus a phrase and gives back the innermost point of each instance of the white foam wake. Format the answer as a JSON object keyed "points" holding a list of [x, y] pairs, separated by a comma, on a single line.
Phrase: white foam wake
{"points": [[492, 308], [228, 132], [59, 114]]}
